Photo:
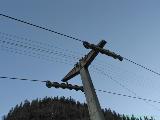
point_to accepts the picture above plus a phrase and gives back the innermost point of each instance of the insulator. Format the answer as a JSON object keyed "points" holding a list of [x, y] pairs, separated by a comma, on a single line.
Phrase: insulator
{"points": [[76, 87], [104, 42], [69, 86], [85, 56], [63, 85], [49, 84], [86, 44], [56, 84], [81, 88], [120, 57], [76, 64]]}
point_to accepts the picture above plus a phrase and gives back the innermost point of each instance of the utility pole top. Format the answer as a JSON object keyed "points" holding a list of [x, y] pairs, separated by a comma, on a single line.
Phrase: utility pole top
{"points": [[87, 59], [84, 62]]}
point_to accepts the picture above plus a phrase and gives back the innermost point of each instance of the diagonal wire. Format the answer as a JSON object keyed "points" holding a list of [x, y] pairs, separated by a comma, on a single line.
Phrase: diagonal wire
{"points": [[36, 43], [117, 82], [123, 86], [129, 96], [23, 45], [37, 26], [142, 66], [36, 55], [119, 72], [36, 48]]}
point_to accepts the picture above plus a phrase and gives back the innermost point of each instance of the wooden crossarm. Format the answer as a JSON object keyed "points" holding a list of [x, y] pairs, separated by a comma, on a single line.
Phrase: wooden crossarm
{"points": [[84, 62]]}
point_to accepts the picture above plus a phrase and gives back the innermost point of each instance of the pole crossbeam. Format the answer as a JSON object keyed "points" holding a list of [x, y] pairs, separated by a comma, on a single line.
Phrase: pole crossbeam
{"points": [[87, 45], [85, 62]]}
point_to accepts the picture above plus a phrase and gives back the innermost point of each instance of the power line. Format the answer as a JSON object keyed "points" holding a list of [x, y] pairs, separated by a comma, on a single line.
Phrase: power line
{"points": [[129, 77], [29, 46], [99, 90], [36, 55], [129, 96], [47, 29], [123, 86], [37, 26], [110, 77], [142, 66], [33, 53], [34, 48], [22, 79], [51, 46]]}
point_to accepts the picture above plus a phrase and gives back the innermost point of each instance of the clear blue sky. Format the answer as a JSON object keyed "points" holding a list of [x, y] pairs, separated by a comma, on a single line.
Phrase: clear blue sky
{"points": [[131, 29]]}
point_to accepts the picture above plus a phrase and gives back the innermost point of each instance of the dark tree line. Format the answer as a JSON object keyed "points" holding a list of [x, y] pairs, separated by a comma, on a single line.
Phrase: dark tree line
{"points": [[59, 109]]}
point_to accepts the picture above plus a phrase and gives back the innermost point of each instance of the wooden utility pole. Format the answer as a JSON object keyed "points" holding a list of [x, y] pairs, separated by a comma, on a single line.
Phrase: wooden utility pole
{"points": [[81, 68], [91, 97]]}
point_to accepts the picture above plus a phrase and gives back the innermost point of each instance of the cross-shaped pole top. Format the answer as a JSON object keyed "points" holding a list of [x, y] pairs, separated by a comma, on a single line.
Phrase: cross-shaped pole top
{"points": [[84, 62]]}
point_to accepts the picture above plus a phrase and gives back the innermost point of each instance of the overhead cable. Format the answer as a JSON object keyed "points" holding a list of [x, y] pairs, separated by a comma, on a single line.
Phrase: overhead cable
{"points": [[126, 88], [25, 46], [141, 66], [129, 96], [36, 43], [36, 55], [69, 86], [22, 79], [37, 26]]}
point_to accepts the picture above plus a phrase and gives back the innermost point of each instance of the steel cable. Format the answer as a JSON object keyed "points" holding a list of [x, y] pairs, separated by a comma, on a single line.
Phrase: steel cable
{"points": [[37, 26]]}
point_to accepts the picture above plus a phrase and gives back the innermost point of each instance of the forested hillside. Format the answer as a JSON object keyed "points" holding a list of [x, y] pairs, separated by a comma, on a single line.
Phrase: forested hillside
{"points": [[59, 109]]}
